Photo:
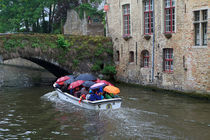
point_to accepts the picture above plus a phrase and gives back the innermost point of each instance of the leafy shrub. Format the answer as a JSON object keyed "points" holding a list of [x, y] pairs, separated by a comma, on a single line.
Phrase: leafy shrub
{"points": [[75, 63], [62, 43], [10, 44], [109, 70], [96, 68]]}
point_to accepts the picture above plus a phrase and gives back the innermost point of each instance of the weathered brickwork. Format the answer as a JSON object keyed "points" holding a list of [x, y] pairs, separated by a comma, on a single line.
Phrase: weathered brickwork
{"points": [[191, 64]]}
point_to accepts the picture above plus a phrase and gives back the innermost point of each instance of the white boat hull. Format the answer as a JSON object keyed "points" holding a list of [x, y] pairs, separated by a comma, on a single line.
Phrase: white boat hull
{"points": [[113, 103]]}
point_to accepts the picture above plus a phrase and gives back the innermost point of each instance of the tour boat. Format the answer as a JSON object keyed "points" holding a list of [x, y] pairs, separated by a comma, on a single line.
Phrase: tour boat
{"points": [[104, 104]]}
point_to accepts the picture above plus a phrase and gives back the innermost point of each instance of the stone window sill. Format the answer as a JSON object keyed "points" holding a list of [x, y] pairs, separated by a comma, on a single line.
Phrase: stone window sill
{"points": [[168, 35], [131, 63], [168, 72], [127, 37], [199, 47], [147, 37]]}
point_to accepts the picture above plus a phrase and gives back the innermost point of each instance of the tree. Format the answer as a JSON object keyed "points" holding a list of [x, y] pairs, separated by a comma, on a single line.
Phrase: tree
{"points": [[35, 15]]}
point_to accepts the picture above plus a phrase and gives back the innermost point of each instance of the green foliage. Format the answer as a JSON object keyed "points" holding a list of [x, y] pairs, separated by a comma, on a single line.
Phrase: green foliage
{"points": [[97, 66], [35, 45], [109, 70], [10, 44], [62, 42], [89, 11], [75, 63], [100, 50]]}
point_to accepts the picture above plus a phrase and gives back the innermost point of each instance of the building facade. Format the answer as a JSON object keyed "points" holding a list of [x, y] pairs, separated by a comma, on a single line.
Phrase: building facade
{"points": [[170, 49]]}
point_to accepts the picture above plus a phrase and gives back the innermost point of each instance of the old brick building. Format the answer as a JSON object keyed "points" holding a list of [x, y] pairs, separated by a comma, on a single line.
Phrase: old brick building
{"points": [[175, 41]]}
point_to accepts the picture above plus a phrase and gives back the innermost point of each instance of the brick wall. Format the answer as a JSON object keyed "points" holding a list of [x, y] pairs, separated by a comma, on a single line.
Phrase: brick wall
{"points": [[191, 63]]}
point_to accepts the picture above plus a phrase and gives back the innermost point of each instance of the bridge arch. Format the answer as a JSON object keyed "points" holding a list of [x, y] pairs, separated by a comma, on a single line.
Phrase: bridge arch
{"points": [[59, 54], [53, 67]]}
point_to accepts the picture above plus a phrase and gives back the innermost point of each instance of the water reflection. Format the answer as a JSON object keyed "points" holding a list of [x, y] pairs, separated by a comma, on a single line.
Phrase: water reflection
{"points": [[12, 76]]}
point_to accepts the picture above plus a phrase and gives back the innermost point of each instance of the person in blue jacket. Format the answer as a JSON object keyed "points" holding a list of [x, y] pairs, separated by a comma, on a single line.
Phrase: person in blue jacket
{"points": [[92, 96]]}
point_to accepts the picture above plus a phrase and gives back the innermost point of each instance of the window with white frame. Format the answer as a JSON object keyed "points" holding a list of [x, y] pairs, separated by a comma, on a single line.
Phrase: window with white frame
{"points": [[126, 20], [169, 21], [148, 16], [200, 27], [168, 60]]}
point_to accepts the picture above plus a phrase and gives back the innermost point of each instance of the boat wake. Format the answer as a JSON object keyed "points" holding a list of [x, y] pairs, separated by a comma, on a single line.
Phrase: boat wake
{"points": [[51, 96], [125, 122]]}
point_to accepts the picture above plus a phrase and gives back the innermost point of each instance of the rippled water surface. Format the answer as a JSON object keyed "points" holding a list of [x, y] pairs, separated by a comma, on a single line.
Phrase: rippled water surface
{"points": [[37, 113]]}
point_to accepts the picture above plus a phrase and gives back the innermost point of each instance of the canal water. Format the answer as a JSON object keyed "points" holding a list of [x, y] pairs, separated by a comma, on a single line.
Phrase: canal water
{"points": [[30, 109]]}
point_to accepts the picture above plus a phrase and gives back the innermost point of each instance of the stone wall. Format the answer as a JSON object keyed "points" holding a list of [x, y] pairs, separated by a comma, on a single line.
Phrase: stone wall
{"points": [[191, 63], [76, 26], [23, 63]]}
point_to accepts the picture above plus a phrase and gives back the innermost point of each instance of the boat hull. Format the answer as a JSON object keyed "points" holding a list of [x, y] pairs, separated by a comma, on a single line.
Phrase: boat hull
{"points": [[104, 104]]}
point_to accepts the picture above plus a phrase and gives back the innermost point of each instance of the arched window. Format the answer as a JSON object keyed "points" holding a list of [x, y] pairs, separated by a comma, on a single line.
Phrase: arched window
{"points": [[144, 58], [131, 56], [117, 55]]}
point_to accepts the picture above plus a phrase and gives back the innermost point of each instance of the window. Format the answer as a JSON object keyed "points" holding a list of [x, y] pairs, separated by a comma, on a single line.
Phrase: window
{"points": [[126, 20], [145, 58], [169, 16], [200, 27], [168, 60], [131, 56], [148, 16], [118, 56]]}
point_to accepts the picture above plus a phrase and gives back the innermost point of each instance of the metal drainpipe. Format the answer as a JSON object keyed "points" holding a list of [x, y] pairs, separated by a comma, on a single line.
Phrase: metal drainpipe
{"points": [[153, 42], [106, 20]]}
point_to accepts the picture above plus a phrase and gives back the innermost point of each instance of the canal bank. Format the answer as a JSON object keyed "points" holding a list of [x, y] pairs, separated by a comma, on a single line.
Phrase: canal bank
{"points": [[202, 96]]}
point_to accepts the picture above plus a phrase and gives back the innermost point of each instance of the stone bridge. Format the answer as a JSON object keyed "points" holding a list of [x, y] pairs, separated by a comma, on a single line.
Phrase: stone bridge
{"points": [[59, 54]]}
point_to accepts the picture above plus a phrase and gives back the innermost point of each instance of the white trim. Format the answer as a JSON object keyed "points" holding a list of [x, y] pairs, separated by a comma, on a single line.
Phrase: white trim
{"points": [[121, 10], [125, 2], [200, 26], [163, 17], [199, 47], [202, 8], [142, 16]]}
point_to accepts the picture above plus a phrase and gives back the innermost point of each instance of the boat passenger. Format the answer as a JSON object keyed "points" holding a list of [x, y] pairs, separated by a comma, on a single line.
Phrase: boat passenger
{"points": [[91, 96], [64, 88], [107, 95], [84, 91], [113, 96], [77, 92], [83, 96], [100, 94], [71, 91]]}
